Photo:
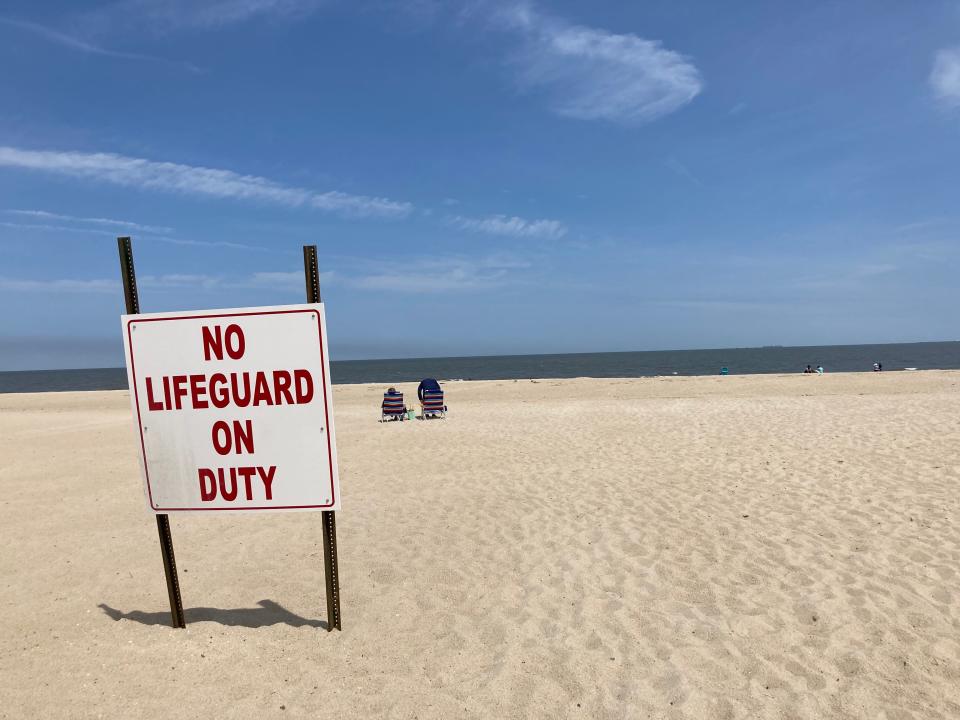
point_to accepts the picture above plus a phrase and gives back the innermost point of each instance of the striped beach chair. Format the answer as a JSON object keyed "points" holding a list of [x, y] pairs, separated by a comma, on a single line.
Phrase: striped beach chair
{"points": [[432, 404], [392, 407]]}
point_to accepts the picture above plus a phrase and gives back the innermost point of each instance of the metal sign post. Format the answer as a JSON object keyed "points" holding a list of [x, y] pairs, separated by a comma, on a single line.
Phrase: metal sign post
{"points": [[328, 517], [163, 521], [178, 366]]}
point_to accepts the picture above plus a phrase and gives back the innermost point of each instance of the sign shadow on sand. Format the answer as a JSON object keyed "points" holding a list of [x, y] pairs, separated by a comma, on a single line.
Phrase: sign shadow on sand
{"points": [[269, 613]]}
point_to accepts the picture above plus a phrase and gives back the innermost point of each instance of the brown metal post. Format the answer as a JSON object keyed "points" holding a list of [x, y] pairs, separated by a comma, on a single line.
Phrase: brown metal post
{"points": [[163, 521], [328, 517]]}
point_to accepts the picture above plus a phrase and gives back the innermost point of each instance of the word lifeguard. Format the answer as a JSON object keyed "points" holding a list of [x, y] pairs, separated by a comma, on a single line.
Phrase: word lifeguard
{"points": [[278, 387]]}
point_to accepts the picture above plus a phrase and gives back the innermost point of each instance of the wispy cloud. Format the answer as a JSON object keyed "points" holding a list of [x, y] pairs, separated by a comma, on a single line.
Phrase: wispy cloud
{"points": [[200, 14], [170, 240], [682, 170], [286, 281], [852, 276], [106, 222], [439, 275], [589, 73], [207, 243], [79, 44], [864, 270], [449, 279], [54, 228], [179, 280], [945, 77], [171, 281], [196, 181], [60, 285], [919, 225], [512, 226], [423, 276]]}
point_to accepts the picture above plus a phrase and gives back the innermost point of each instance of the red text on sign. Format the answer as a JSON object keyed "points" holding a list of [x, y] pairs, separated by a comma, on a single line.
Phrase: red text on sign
{"points": [[231, 482], [214, 341]]}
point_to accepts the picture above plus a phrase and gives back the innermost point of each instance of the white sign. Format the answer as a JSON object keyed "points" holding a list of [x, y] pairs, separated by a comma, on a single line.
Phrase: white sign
{"points": [[233, 409]]}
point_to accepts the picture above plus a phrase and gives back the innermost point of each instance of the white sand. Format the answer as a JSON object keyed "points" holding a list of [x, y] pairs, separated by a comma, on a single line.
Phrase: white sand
{"points": [[741, 547]]}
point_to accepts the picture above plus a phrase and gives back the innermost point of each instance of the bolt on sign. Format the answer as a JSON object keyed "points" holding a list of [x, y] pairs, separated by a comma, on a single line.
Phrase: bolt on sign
{"points": [[233, 409]]}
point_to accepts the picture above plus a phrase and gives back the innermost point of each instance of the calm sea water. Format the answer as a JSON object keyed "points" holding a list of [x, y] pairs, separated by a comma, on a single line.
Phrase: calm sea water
{"points": [[740, 361]]}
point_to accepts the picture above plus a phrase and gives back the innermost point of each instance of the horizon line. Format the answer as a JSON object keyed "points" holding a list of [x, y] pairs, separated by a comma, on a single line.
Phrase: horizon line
{"points": [[556, 354]]}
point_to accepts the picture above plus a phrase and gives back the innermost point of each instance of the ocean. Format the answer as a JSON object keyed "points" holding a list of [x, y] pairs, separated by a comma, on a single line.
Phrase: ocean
{"points": [[739, 361]]}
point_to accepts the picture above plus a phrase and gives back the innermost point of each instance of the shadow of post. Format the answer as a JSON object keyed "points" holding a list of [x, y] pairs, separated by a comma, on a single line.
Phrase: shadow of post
{"points": [[269, 613]]}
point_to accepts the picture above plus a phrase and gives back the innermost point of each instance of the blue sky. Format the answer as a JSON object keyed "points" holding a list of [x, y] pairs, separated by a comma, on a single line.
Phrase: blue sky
{"points": [[483, 177]]}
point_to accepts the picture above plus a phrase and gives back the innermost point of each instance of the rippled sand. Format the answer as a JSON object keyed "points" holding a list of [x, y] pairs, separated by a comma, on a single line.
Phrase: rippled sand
{"points": [[739, 547]]}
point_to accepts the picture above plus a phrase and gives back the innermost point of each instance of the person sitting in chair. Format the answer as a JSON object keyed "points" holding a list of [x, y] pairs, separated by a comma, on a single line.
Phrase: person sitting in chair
{"points": [[427, 384], [392, 407], [431, 399]]}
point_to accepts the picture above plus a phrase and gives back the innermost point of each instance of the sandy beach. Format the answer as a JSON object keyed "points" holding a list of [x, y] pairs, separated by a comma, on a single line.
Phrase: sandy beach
{"points": [[715, 547]]}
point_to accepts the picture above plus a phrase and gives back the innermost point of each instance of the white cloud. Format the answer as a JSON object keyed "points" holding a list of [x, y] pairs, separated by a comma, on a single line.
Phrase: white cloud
{"points": [[195, 180], [945, 76], [448, 280], [46, 227], [433, 275], [72, 285], [847, 277], [178, 281], [203, 243], [58, 37], [81, 45], [871, 269], [512, 226], [590, 74], [171, 281], [107, 222], [61, 285], [682, 170], [287, 281], [280, 280], [55, 228], [205, 13], [440, 275]]}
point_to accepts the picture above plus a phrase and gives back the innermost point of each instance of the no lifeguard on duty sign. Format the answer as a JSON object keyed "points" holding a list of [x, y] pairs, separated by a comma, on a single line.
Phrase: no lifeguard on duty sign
{"points": [[233, 409]]}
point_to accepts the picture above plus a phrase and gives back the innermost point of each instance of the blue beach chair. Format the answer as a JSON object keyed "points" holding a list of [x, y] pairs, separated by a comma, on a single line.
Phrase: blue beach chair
{"points": [[431, 404], [392, 407]]}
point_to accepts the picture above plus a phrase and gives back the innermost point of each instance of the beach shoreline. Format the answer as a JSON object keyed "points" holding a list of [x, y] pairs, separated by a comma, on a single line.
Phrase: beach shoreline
{"points": [[653, 363], [538, 379]]}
